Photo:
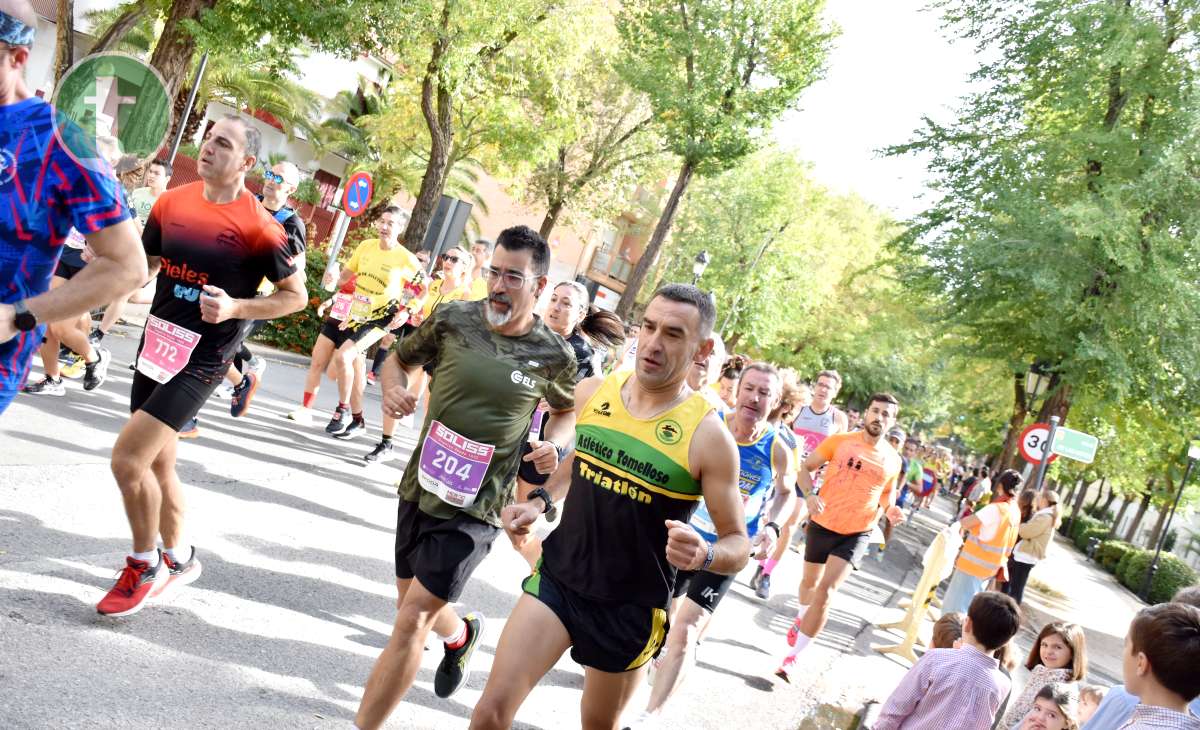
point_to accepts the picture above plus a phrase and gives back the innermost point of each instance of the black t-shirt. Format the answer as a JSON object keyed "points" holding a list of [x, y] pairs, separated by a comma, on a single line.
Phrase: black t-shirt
{"points": [[293, 226], [231, 246], [583, 355]]}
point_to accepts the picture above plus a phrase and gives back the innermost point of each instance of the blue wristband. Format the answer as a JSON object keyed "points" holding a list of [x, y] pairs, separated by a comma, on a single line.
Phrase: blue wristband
{"points": [[708, 559]]}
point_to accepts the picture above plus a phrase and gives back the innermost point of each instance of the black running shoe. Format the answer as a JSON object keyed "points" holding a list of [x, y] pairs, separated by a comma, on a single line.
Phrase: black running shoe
{"points": [[454, 670], [758, 573], [357, 426], [95, 372], [46, 386], [340, 421], [383, 451]]}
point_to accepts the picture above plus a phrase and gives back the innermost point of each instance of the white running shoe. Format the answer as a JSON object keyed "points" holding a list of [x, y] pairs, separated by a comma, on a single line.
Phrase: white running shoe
{"points": [[643, 721], [258, 364]]}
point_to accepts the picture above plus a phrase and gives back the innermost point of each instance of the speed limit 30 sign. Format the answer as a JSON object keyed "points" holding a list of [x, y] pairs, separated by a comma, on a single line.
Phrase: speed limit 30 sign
{"points": [[1035, 440]]}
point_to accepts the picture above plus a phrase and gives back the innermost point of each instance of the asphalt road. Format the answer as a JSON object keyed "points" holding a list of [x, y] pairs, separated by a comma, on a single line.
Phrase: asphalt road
{"points": [[297, 595]]}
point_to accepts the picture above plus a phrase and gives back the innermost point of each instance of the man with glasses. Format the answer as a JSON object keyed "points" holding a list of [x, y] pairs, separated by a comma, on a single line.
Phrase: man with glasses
{"points": [[814, 423], [37, 212], [279, 182], [380, 268], [493, 360]]}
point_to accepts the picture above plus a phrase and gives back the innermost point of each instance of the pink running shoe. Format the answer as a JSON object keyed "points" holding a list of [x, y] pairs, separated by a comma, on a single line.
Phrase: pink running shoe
{"points": [[788, 665], [794, 632]]}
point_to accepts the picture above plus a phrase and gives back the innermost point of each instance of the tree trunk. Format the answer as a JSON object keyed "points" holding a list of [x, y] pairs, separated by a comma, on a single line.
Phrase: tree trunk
{"points": [[120, 28], [173, 54], [1163, 509], [654, 245], [1058, 404], [1112, 497], [1080, 496], [435, 108], [1116, 525], [551, 219], [1016, 423], [64, 39], [1099, 493], [1141, 512], [1070, 493]]}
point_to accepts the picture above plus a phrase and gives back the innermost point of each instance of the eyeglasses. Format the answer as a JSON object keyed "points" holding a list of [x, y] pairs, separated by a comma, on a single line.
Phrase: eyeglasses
{"points": [[273, 177], [512, 279], [451, 259]]}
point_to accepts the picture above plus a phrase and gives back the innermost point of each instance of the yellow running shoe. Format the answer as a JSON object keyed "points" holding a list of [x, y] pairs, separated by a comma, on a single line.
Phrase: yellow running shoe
{"points": [[74, 369]]}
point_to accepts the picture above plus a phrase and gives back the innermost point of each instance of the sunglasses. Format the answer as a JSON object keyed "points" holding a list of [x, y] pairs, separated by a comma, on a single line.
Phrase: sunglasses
{"points": [[451, 259], [273, 177]]}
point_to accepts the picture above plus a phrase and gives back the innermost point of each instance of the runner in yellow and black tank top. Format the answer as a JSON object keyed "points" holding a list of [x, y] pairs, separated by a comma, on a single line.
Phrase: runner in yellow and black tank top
{"points": [[631, 474]]}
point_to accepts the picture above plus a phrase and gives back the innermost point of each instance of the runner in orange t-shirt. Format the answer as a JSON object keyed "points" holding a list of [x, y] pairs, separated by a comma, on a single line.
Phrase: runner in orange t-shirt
{"points": [[859, 487]]}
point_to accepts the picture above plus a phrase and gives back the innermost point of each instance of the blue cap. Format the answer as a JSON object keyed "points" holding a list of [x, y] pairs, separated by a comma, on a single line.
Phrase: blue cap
{"points": [[14, 32]]}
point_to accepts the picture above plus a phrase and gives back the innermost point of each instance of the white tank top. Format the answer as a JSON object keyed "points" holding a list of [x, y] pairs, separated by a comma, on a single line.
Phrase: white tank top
{"points": [[812, 428]]}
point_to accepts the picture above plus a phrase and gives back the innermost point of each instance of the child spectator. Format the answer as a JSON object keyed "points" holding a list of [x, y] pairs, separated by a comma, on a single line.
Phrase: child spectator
{"points": [[947, 631], [1119, 703], [1058, 655], [1054, 708], [1090, 697], [957, 688], [1162, 654]]}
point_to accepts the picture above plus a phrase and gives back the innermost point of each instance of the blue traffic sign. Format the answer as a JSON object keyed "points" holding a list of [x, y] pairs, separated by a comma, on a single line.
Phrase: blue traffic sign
{"points": [[357, 196]]}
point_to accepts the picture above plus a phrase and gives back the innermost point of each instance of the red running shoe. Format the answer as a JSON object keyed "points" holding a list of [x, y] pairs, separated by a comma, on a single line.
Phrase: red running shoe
{"points": [[135, 585], [180, 574]]}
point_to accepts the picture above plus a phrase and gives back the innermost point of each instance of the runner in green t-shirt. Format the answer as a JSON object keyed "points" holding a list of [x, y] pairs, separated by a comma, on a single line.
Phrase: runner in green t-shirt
{"points": [[492, 361]]}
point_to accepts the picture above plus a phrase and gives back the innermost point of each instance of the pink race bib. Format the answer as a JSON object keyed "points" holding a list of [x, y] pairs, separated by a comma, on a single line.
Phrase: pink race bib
{"points": [[452, 466], [340, 309], [166, 350]]}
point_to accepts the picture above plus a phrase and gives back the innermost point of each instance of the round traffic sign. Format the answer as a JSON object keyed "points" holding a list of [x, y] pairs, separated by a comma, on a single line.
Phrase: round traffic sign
{"points": [[357, 195], [1035, 440]]}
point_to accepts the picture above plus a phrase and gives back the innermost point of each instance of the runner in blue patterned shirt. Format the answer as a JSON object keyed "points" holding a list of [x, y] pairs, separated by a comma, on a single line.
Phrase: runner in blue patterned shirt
{"points": [[44, 193]]}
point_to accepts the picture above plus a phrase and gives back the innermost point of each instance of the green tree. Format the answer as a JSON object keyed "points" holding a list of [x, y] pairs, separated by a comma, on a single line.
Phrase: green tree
{"points": [[717, 75], [1065, 230]]}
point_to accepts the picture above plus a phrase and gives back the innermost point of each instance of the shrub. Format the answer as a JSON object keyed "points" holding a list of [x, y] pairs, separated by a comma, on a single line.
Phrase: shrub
{"points": [[298, 332], [1082, 523], [1172, 574], [1111, 552], [1123, 563]]}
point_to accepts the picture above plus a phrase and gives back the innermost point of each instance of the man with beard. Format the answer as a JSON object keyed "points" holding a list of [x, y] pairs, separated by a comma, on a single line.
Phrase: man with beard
{"points": [[493, 360], [647, 450], [859, 487]]}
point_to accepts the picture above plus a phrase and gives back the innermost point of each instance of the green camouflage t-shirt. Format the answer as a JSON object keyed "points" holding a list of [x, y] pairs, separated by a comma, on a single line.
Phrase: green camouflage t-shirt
{"points": [[483, 392]]}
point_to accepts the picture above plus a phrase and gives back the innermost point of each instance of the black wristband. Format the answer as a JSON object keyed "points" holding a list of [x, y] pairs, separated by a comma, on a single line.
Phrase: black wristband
{"points": [[775, 527]]}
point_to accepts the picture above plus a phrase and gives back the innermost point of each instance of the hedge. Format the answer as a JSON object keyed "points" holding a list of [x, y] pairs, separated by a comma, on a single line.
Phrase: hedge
{"points": [[1099, 532], [298, 331], [1082, 523], [1111, 552], [1172, 574]]}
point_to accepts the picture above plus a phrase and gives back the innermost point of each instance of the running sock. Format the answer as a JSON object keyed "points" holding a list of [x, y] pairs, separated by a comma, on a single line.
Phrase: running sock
{"points": [[386, 438], [800, 614], [308, 399], [343, 406], [150, 556], [179, 554], [458, 638], [357, 417], [768, 565], [802, 641]]}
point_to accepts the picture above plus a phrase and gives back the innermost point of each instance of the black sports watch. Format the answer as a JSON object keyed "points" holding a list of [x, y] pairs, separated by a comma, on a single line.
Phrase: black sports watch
{"points": [[24, 319], [550, 510]]}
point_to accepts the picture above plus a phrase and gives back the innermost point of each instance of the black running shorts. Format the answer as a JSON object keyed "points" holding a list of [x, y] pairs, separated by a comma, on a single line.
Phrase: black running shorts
{"points": [[441, 554], [704, 588], [820, 543], [174, 402], [611, 637], [64, 270], [353, 333]]}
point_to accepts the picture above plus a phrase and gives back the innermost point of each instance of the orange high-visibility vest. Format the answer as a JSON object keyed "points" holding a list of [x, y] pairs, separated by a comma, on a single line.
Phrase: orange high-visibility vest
{"points": [[982, 558]]}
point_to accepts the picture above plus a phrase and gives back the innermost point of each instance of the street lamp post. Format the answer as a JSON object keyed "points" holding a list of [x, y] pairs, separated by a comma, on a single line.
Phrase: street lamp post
{"points": [[1193, 455], [1036, 381], [698, 267]]}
